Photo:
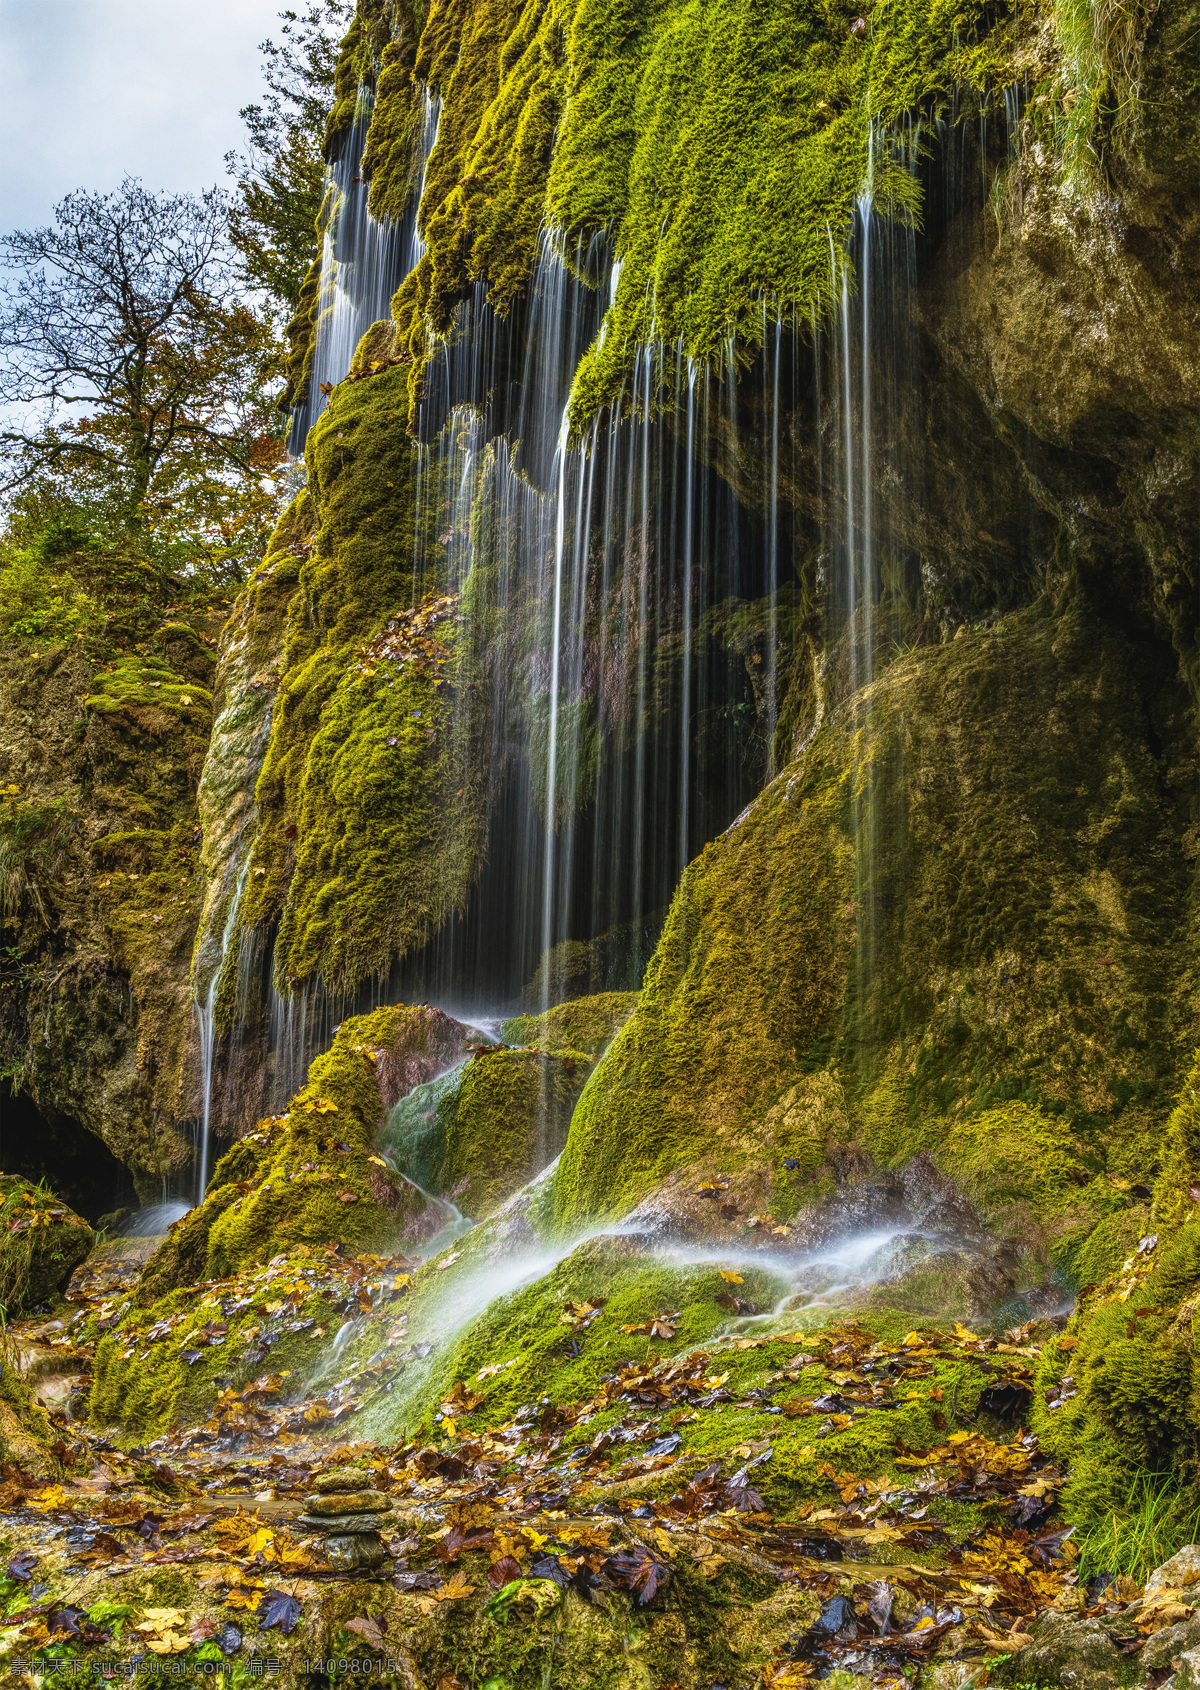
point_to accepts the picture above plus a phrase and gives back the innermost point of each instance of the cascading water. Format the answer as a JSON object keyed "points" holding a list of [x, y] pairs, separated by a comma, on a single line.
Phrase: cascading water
{"points": [[641, 604], [363, 260], [206, 1016]]}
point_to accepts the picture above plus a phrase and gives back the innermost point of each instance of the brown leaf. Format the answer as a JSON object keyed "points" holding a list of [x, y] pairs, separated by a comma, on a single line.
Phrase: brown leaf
{"points": [[503, 1571], [368, 1629]]}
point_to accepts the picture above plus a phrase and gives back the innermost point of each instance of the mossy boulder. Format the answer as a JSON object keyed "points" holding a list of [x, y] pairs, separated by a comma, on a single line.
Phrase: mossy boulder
{"points": [[42, 1242], [1119, 1391], [481, 1133], [588, 1024], [313, 1175], [962, 903]]}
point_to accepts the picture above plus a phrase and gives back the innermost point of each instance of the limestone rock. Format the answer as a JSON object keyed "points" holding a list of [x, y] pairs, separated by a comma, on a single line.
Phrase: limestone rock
{"points": [[363, 1550], [1178, 1573], [1187, 1676], [1168, 1645], [350, 1502], [1068, 1655]]}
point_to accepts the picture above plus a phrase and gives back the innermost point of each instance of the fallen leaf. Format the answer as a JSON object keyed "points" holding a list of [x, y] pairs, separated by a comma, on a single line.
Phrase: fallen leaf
{"points": [[280, 1610]]}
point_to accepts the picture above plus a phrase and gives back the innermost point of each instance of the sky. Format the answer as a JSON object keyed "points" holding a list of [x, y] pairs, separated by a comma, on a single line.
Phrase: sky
{"points": [[97, 89]]}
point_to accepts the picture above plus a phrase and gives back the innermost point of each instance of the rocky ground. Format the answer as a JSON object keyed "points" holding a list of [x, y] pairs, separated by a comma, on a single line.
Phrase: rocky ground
{"points": [[814, 1495]]}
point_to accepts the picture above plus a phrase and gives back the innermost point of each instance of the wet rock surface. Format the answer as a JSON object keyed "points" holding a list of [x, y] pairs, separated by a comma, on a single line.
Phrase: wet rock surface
{"points": [[1074, 1654], [350, 1514]]}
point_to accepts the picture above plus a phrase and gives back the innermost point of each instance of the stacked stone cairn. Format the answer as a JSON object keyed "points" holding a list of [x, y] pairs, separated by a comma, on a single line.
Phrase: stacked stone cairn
{"points": [[350, 1515]]}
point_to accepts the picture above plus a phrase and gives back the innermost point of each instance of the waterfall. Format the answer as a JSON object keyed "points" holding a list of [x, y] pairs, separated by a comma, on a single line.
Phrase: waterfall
{"points": [[363, 260], [641, 588], [206, 1015]]}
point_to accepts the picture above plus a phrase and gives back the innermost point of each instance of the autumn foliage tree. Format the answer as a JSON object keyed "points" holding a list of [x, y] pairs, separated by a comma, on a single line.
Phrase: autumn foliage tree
{"points": [[139, 376]]}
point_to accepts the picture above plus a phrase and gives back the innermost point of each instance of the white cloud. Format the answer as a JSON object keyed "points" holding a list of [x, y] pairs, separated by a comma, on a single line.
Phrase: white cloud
{"points": [[95, 89]]}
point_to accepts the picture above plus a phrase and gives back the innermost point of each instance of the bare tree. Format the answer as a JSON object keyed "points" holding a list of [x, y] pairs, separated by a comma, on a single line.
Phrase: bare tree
{"points": [[127, 345]]}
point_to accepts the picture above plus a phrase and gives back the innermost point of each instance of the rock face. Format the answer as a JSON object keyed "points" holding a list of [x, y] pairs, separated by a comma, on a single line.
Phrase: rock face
{"points": [[101, 748], [1071, 1654], [42, 1242]]}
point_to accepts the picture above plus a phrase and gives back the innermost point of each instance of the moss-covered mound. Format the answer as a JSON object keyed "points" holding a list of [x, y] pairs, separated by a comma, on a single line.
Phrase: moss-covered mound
{"points": [[371, 798], [1119, 1392], [313, 1175], [166, 1364], [483, 1132], [42, 1242], [969, 902], [588, 1024]]}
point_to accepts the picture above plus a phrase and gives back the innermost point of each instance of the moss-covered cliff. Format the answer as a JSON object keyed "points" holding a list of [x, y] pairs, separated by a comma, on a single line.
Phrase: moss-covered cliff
{"points": [[102, 744], [971, 900]]}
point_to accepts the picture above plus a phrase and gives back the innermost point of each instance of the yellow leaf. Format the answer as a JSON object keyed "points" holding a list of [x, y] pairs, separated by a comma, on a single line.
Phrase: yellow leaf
{"points": [[732, 1278], [170, 1643], [52, 1497]]}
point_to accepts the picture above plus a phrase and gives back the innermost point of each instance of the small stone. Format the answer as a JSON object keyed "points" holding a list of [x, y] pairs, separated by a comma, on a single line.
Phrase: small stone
{"points": [[1187, 1677], [1178, 1573], [1069, 1655], [365, 1549], [343, 1478], [341, 1524], [1165, 1645], [350, 1502]]}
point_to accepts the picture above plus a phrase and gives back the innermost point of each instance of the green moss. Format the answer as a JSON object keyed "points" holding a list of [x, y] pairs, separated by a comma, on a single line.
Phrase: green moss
{"points": [[1132, 1407], [42, 1241], [749, 973], [346, 1194], [483, 1132], [965, 919], [721, 148], [310, 1176], [145, 690], [524, 1334], [1096, 1252], [390, 158], [26, 1431], [97, 860], [363, 846], [159, 1368], [589, 1024]]}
